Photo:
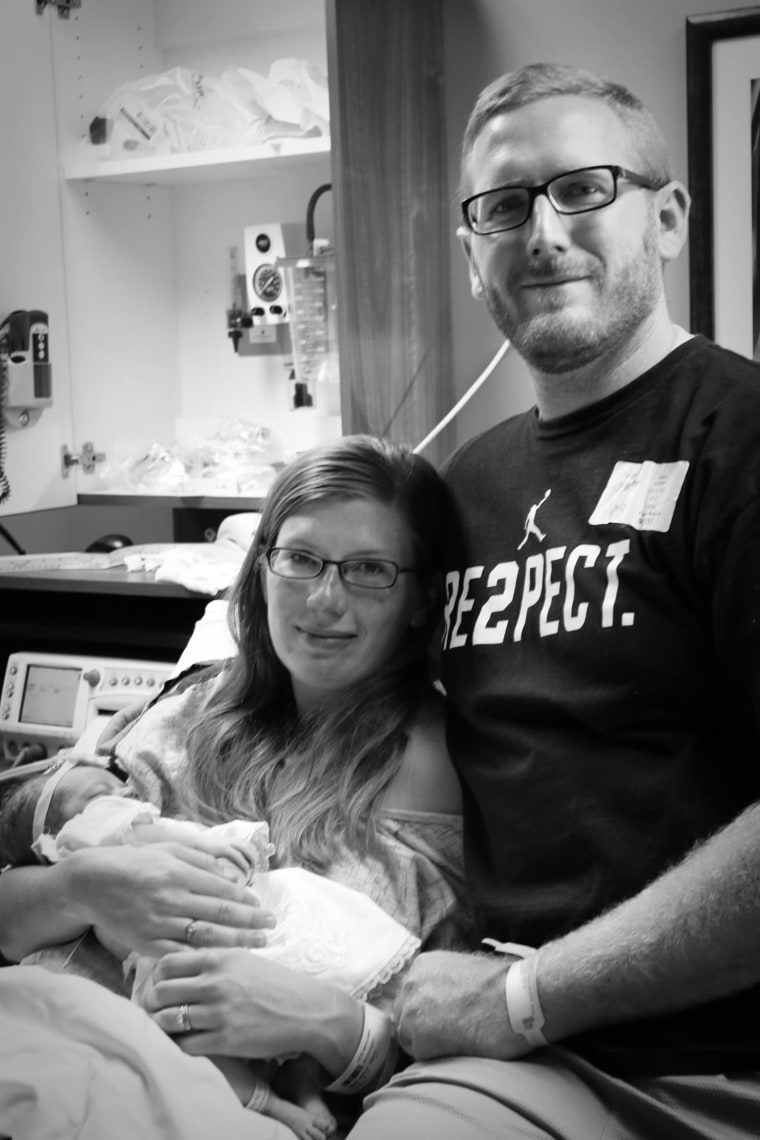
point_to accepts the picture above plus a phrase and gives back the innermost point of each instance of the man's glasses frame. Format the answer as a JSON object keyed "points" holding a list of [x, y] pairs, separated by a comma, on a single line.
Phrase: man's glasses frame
{"points": [[352, 571], [551, 189]]}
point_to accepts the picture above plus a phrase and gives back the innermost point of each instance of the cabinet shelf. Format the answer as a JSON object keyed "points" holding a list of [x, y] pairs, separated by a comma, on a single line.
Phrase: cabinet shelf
{"points": [[196, 502], [219, 164]]}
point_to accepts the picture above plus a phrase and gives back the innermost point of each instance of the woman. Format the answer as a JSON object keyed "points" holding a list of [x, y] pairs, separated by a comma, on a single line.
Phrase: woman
{"points": [[328, 726]]}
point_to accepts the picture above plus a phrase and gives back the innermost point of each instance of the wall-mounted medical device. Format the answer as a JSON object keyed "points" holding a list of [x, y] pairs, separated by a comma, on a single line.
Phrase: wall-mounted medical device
{"points": [[285, 303], [48, 699], [310, 283], [25, 373], [258, 317], [267, 296]]}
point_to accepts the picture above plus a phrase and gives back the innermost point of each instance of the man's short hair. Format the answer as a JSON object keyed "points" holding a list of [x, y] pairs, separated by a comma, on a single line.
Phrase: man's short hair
{"points": [[538, 81]]}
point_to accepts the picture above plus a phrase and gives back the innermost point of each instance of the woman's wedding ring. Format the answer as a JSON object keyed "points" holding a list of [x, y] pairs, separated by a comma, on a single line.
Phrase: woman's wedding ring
{"points": [[183, 1018], [190, 931]]}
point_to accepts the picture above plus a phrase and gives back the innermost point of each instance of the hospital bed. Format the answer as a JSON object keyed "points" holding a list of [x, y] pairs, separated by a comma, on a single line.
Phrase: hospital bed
{"points": [[72, 1050], [51, 700]]}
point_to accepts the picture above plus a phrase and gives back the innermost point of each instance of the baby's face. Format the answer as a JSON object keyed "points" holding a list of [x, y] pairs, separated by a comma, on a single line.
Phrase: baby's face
{"points": [[82, 784]]}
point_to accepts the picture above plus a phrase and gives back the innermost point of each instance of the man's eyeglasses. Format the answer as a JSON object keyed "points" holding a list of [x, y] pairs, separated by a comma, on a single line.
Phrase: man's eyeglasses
{"points": [[576, 192], [368, 573]]}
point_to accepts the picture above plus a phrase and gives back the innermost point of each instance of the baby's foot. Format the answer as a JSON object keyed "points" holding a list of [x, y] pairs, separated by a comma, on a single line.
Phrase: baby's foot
{"points": [[314, 1122], [315, 1105]]}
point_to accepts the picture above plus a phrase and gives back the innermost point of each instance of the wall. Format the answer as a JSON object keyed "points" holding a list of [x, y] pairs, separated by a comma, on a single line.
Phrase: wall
{"points": [[642, 44]]}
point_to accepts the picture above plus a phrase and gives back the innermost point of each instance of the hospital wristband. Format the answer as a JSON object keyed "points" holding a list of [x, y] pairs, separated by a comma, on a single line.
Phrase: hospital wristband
{"points": [[374, 1058], [259, 1098], [524, 1012]]}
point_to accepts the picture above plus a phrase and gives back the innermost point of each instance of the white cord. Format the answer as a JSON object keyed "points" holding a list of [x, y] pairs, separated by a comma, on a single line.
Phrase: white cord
{"points": [[467, 396]]}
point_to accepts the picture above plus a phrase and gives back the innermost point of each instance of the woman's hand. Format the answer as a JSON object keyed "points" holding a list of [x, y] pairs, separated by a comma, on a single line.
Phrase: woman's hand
{"points": [[243, 1005], [160, 898], [118, 726], [244, 859]]}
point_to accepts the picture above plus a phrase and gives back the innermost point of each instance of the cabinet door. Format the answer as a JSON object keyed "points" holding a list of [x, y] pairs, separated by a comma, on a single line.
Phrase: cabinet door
{"points": [[385, 68], [31, 265]]}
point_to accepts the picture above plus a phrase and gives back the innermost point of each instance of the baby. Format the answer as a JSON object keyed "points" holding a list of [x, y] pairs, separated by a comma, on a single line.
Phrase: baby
{"points": [[322, 928]]}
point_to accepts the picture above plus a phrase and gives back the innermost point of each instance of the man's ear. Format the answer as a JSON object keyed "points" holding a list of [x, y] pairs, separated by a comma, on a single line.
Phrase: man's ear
{"points": [[673, 217], [476, 285]]}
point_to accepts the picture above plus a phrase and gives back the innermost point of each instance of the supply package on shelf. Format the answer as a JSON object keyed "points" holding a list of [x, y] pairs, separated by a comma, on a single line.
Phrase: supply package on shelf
{"points": [[232, 458], [180, 111]]}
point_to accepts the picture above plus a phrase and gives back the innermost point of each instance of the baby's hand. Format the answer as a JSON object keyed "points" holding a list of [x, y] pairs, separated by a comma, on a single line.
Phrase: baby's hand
{"points": [[247, 858], [243, 859]]}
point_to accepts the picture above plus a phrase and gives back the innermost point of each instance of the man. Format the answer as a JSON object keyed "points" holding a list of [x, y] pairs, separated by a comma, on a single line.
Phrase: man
{"points": [[602, 660]]}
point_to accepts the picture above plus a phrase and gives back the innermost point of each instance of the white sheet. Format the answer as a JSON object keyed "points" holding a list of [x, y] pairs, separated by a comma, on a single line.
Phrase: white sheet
{"points": [[79, 1063]]}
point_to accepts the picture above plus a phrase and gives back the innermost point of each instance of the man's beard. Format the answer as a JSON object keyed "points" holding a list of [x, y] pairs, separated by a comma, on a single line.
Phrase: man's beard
{"points": [[567, 339]]}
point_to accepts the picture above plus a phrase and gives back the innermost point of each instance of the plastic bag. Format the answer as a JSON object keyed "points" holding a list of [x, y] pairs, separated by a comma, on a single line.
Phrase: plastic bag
{"points": [[234, 458], [180, 111]]}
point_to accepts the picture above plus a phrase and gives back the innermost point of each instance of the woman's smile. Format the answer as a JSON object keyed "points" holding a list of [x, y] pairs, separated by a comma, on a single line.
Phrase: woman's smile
{"points": [[326, 637]]}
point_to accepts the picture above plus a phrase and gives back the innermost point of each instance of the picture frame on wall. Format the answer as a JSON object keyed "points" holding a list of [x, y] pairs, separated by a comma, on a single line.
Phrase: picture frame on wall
{"points": [[723, 126]]}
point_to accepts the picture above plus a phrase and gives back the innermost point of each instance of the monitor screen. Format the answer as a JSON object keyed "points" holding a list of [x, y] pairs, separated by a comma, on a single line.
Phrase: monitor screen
{"points": [[50, 694]]}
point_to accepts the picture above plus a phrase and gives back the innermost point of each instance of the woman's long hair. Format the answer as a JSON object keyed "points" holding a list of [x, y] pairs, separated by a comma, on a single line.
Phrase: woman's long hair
{"points": [[316, 779]]}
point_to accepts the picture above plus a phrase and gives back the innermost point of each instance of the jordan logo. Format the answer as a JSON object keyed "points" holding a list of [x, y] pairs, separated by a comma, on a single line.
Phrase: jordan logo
{"points": [[530, 523]]}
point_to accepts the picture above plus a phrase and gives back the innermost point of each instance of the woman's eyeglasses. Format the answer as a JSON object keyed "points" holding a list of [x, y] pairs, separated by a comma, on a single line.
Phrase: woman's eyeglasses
{"points": [[367, 573]]}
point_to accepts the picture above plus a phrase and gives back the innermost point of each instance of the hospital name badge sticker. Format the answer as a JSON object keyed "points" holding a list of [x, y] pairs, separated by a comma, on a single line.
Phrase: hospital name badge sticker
{"points": [[641, 495]]}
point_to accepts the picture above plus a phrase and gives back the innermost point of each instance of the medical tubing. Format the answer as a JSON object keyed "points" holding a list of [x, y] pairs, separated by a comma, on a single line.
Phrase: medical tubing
{"points": [[310, 209], [5, 487], [6, 534], [464, 400]]}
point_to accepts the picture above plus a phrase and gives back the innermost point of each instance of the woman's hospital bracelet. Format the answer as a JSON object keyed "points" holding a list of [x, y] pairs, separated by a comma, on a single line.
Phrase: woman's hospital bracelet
{"points": [[524, 1011], [375, 1055]]}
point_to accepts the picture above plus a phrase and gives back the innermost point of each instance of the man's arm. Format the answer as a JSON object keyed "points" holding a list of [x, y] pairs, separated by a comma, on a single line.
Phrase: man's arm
{"points": [[690, 936]]}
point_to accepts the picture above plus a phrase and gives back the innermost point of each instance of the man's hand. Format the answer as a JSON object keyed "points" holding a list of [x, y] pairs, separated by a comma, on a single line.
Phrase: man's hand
{"points": [[454, 1004]]}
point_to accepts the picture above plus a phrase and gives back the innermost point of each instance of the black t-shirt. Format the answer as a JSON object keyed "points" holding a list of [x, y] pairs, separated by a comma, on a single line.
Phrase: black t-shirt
{"points": [[602, 660]]}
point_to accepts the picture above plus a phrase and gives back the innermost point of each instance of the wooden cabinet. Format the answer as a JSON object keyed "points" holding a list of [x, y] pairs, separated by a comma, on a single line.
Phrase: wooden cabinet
{"points": [[385, 65], [140, 324]]}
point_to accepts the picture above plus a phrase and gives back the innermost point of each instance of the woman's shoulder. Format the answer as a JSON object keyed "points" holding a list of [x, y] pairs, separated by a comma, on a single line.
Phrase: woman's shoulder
{"points": [[426, 780]]}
